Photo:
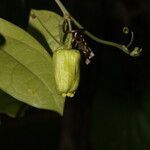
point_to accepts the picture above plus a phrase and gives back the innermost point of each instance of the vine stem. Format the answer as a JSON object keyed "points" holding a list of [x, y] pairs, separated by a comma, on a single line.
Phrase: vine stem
{"points": [[93, 37], [62, 7]]}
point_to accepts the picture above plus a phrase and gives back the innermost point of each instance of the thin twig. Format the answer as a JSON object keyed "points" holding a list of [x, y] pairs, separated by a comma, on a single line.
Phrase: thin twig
{"points": [[93, 37]]}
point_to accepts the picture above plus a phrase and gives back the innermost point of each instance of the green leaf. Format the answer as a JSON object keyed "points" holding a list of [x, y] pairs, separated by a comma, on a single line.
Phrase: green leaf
{"points": [[47, 25], [26, 69], [9, 105]]}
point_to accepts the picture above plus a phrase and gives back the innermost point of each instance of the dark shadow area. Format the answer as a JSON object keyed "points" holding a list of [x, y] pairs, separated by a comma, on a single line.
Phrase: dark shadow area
{"points": [[37, 35], [2, 40], [38, 129], [15, 11]]}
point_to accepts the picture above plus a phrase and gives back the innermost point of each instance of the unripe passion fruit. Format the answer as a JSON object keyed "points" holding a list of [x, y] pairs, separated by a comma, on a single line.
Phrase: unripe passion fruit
{"points": [[67, 71]]}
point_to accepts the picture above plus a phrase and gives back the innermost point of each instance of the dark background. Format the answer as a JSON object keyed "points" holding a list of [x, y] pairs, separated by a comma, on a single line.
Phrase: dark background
{"points": [[111, 108]]}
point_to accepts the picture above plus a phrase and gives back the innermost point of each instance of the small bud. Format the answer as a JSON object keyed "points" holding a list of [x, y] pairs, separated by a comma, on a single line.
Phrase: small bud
{"points": [[67, 71], [136, 52]]}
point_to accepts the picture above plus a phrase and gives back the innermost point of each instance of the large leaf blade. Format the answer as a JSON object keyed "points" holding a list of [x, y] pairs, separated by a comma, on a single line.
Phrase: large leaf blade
{"points": [[15, 32], [26, 71]]}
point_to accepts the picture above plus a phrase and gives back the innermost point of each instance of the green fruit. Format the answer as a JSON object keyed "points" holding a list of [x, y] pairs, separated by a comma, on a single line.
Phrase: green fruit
{"points": [[67, 71]]}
